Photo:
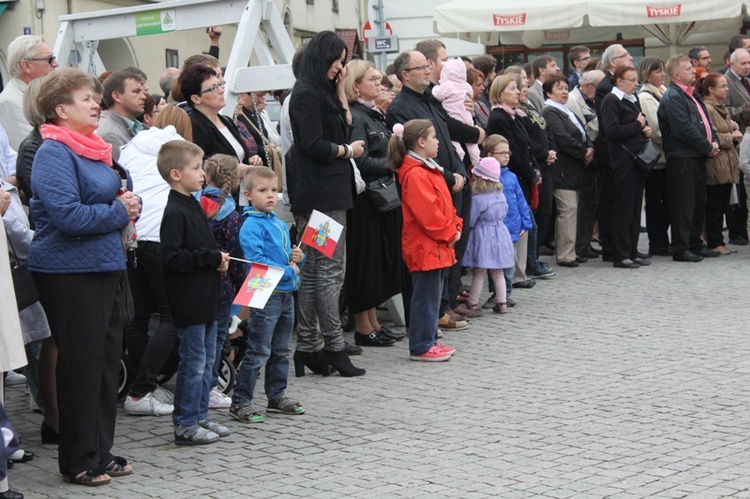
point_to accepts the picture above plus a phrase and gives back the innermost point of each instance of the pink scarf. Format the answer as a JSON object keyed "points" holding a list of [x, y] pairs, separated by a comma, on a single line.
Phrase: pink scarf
{"points": [[368, 103], [89, 146], [511, 111]]}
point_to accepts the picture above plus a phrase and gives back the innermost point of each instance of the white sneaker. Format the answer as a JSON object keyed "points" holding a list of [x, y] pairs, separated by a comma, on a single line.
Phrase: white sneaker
{"points": [[163, 395], [148, 405], [217, 399], [13, 378]]}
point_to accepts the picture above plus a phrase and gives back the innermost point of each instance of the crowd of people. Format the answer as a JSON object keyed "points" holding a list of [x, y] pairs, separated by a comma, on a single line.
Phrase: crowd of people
{"points": [[130, 210]]}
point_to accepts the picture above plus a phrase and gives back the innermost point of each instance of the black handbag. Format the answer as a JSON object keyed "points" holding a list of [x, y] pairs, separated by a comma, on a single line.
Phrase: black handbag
{"points": [[383, 194], [23, 283], [646, 158]]}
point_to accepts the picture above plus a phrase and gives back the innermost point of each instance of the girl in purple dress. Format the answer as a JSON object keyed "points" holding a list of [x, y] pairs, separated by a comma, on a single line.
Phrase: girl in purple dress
{"points": [[490, 246]]}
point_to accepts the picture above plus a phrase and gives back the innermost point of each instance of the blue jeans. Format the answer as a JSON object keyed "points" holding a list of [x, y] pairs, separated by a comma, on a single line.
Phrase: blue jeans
{"points": [[425, 309], [197, 347], [268, 344], [222, 326]]}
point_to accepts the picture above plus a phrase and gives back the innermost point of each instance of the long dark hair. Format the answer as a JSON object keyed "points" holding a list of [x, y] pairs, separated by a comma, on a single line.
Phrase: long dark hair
{"points": [[321, 51]]}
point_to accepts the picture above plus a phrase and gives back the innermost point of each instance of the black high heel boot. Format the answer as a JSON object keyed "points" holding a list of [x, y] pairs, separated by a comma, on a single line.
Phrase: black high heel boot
{"points": [[312, 361], [49, 436], [340, 361]]}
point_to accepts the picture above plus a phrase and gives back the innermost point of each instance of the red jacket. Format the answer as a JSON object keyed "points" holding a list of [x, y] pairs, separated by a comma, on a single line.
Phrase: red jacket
{"points": [[430, 220]]}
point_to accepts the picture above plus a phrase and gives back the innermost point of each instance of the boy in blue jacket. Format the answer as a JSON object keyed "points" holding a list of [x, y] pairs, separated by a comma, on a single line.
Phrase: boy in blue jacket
{"points": [[265, 239]]}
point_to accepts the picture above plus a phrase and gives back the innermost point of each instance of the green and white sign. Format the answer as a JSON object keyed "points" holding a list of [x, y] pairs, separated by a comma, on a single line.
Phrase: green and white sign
{"points": [[154, 22]]}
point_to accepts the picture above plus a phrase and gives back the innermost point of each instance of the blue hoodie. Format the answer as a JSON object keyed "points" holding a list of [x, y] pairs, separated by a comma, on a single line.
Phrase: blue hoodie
{"points": [[265, 239], [518, 217]]}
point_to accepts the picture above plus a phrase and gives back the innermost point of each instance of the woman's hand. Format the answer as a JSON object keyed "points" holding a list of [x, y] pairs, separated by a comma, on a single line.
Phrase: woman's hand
{"points": [[358, 148], [589, 157], [551, 156], [341, 83], [460, 182], [736, 136], [132, 203], [224, 262], [256, 161], [647, 131]]}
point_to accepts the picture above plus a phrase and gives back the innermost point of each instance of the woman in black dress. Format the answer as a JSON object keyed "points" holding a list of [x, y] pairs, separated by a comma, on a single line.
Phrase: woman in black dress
{"points": [[373, 263], [627, 132]]}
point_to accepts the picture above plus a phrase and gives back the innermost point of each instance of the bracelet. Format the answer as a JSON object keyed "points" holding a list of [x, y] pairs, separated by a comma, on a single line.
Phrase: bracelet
{"points": [[348, 151]]}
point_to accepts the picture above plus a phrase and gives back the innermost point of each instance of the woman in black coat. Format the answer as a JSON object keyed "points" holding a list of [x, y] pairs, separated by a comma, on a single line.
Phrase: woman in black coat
{"points": [[373, 264], [627, 132], [324, 181], [574, 152]]}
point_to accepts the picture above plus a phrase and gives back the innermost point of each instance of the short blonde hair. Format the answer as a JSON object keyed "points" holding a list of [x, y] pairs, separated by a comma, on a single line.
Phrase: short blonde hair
{"points": [[481, 185], [255, 173], [357, 69], [175, 155], [498, 86]]}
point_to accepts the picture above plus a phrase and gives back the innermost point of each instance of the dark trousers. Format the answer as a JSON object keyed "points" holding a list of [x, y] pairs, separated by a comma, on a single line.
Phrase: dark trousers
{"points": [[452, 285], [87, 315], [686, 181], [544, 213], [626, 212], [657, 209], [737, 214], [717, 204], [425, 309], [606, 198], [588, 209], [146, 355]]}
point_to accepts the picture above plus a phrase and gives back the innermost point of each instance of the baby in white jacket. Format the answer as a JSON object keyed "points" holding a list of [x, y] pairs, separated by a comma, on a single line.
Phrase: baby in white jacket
{"points": [[452, 92]]}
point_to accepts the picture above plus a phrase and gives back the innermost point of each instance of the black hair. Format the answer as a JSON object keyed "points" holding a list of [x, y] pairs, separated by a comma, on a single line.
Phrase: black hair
{"points": [[322, 51]]}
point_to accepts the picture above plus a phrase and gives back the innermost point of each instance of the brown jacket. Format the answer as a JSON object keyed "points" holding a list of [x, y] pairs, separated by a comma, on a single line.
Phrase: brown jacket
{"points": [[724, 167]]}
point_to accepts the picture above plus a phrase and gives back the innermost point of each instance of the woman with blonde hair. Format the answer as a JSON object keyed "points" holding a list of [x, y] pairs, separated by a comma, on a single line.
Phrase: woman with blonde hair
{"points": [[373, 264]]}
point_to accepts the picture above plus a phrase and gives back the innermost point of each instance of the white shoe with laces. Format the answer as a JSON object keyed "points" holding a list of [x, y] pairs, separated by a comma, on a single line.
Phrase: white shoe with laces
{"points": [[218, 400], [148, 405], [164, 395]]}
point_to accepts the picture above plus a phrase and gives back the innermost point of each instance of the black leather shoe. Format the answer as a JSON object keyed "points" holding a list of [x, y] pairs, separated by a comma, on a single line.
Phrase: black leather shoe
{"points": [[590, 255], [686, 256], [626, 264], [352, 349], [594, 250], [643, 262], [582, 259], [643, 256], [527, 284], [738, 241], [571, 264], [374, 339], [11, 494], [394, 335], [707, 253]]}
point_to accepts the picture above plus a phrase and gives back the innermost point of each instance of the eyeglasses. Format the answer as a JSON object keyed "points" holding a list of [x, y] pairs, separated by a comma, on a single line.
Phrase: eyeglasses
{"points": [[631, 80], [722, 86], [626, 54], [49, 60], [418, 68], [502, 153], [582, 59], [213, 88]]}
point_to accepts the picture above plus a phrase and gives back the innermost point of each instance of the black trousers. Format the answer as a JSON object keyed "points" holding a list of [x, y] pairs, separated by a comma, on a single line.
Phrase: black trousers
{"points": [[87, 315], [626, 211], [588, 209], [717, 205], [545, 212], [147, 355], [462, 202], [737, 214], [606, 199], [657, 209], [686, 181]]}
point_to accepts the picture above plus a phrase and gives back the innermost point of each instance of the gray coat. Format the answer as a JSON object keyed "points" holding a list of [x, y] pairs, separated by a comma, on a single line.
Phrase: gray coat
{"points": [[114, 130]]}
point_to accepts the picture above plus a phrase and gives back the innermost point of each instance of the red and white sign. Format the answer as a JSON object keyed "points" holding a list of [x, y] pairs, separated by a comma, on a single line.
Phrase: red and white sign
{"points": [[322, 233], [367, 31], [514, 20], [673, 11], [258, 286]]}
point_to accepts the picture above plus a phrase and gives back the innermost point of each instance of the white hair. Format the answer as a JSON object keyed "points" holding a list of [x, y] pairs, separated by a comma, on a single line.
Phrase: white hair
{"points": [[736, 55], [594, 77], [609, 54], [23, 47]]}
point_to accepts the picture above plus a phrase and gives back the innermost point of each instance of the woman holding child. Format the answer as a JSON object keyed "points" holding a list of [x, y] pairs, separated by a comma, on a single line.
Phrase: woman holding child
{"points": [[78, 263]]}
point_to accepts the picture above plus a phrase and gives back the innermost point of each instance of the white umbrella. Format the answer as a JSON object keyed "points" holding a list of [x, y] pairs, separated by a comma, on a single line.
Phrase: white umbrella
{"points": [[579, 21]]}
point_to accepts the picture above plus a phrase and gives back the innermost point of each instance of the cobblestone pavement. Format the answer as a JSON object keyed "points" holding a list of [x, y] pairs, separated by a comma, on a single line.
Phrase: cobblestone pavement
{"points": [[602, 382]]}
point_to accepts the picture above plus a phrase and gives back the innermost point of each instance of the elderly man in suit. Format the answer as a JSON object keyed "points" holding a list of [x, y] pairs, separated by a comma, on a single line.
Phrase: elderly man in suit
{"points": [[739, 95]]}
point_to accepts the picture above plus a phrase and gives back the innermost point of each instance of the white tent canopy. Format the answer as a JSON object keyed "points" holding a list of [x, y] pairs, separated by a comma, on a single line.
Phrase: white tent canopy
{"points": [[538, 22]]}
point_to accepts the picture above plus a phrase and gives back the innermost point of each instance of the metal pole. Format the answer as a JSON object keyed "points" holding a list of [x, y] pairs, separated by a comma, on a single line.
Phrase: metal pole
{"points": [[380, 23]]}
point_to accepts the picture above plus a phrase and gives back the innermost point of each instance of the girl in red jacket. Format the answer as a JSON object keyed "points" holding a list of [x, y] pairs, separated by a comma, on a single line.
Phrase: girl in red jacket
{"points": [[431, 228]]}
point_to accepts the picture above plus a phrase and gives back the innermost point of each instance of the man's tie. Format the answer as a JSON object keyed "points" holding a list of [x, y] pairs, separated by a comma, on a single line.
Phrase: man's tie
{"points": [[745, 84]]}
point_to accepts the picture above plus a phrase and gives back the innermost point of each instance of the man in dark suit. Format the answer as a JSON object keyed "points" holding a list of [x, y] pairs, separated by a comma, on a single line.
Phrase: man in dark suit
{"points": [[688, 140], [613, 57]]}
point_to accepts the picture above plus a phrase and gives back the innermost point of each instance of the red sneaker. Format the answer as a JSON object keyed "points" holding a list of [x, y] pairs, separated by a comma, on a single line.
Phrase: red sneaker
{"points": [[434, 354], [445, 348]]}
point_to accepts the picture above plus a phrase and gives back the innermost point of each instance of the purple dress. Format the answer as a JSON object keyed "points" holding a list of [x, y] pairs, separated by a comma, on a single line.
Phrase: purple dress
{"points": [[490, 245]]}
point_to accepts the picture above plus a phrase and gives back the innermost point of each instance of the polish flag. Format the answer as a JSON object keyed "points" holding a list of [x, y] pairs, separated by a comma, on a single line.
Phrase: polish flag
{"points": [[322, 233], [258, 286]]}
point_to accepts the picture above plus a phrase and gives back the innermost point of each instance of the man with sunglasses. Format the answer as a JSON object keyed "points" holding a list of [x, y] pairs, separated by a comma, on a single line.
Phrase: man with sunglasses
{"points": [[29, 57]]}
